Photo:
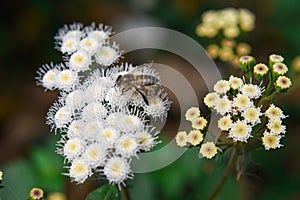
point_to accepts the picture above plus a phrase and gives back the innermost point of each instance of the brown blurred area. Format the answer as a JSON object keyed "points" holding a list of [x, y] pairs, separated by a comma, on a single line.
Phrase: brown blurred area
{"points": [[26, 38]]}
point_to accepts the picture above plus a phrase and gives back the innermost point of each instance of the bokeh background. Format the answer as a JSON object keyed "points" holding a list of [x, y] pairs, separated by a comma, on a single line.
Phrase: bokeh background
{"points": [[27, 155]]}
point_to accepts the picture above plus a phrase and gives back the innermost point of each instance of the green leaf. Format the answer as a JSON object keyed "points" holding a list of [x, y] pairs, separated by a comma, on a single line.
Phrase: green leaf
{"points": [[105, 192]]}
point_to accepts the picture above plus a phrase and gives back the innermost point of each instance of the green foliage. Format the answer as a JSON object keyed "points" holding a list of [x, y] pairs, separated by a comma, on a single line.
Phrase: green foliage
{"points": [[105, 192]]}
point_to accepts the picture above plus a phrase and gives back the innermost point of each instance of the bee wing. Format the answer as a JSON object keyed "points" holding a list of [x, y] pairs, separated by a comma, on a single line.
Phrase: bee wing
{"points": [[145, 68], [153, 91]]}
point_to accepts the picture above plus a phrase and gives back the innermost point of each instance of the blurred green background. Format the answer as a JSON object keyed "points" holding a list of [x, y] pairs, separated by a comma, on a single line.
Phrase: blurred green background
{"points": [[27, 155]]}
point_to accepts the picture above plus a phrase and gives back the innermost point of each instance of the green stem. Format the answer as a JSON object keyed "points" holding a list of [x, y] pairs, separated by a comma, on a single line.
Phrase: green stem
{"points": [[267, 98], [124, 193], [228, 170]]}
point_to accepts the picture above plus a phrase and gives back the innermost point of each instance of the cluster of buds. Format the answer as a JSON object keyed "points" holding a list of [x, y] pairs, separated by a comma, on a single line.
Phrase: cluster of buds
{"points": [[244, 108], [227, 24], [103, 112], [229, 21]]}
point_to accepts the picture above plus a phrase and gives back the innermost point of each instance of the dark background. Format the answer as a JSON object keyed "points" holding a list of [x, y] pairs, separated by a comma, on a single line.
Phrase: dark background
{"points": [[27, 148]]}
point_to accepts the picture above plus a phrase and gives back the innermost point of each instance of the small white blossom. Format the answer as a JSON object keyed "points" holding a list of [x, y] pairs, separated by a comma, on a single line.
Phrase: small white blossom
{"points": [[117, 170]]}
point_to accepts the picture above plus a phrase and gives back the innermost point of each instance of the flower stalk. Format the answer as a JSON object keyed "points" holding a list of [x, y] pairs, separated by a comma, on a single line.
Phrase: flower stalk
{"points": [[230, 166]]}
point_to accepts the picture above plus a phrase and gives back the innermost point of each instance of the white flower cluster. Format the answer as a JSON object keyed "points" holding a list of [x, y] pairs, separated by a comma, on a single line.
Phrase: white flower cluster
{"points": [[236, 102], [229, 20], [102, 117]]}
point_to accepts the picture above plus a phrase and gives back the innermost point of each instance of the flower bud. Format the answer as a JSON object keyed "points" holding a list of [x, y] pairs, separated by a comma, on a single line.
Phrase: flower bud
{"points": [[247, 63], [260, 71], [283, 83]]}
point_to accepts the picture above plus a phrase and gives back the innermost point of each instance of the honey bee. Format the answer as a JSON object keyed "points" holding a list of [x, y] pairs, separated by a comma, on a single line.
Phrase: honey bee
{"points": [[140, 80]]}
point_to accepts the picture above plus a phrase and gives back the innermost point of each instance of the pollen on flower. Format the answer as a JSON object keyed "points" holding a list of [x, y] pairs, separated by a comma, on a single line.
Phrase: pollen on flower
{"points": [[192, 113], [195, 137], [208, 150], [181, 138]]}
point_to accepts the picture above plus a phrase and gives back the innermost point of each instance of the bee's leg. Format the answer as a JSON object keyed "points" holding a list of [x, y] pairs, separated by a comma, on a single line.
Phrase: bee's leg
{"points": [[143, 96]]}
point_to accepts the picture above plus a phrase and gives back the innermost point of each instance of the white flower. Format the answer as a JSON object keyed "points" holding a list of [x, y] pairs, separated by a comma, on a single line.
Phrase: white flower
{"points": [[70, 31], [90, 45], [73, 148], [117, 98], [108, 136], [192, 113], [131, 123], [62, 117], [146, 140], [66, 79], [222, 86], [240, 131], [276, 127], [107, 55], [242, 102], [211, 99], [69, 45], [223, 105], [100, 33], [274, 112], [76, 129], [252, 115], [117, 170], [224, 123], [157, 108], [126, 146], [181, 138], [80, 61], [75, 99], [93, 111], [92, 129], [95, 155], [271, 141], [235, 82], [79, 170], [47, 76], [251, 90]]}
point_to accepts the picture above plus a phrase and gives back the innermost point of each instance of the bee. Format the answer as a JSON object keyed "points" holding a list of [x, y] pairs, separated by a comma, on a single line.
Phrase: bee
{"points": [[140, 79]]}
